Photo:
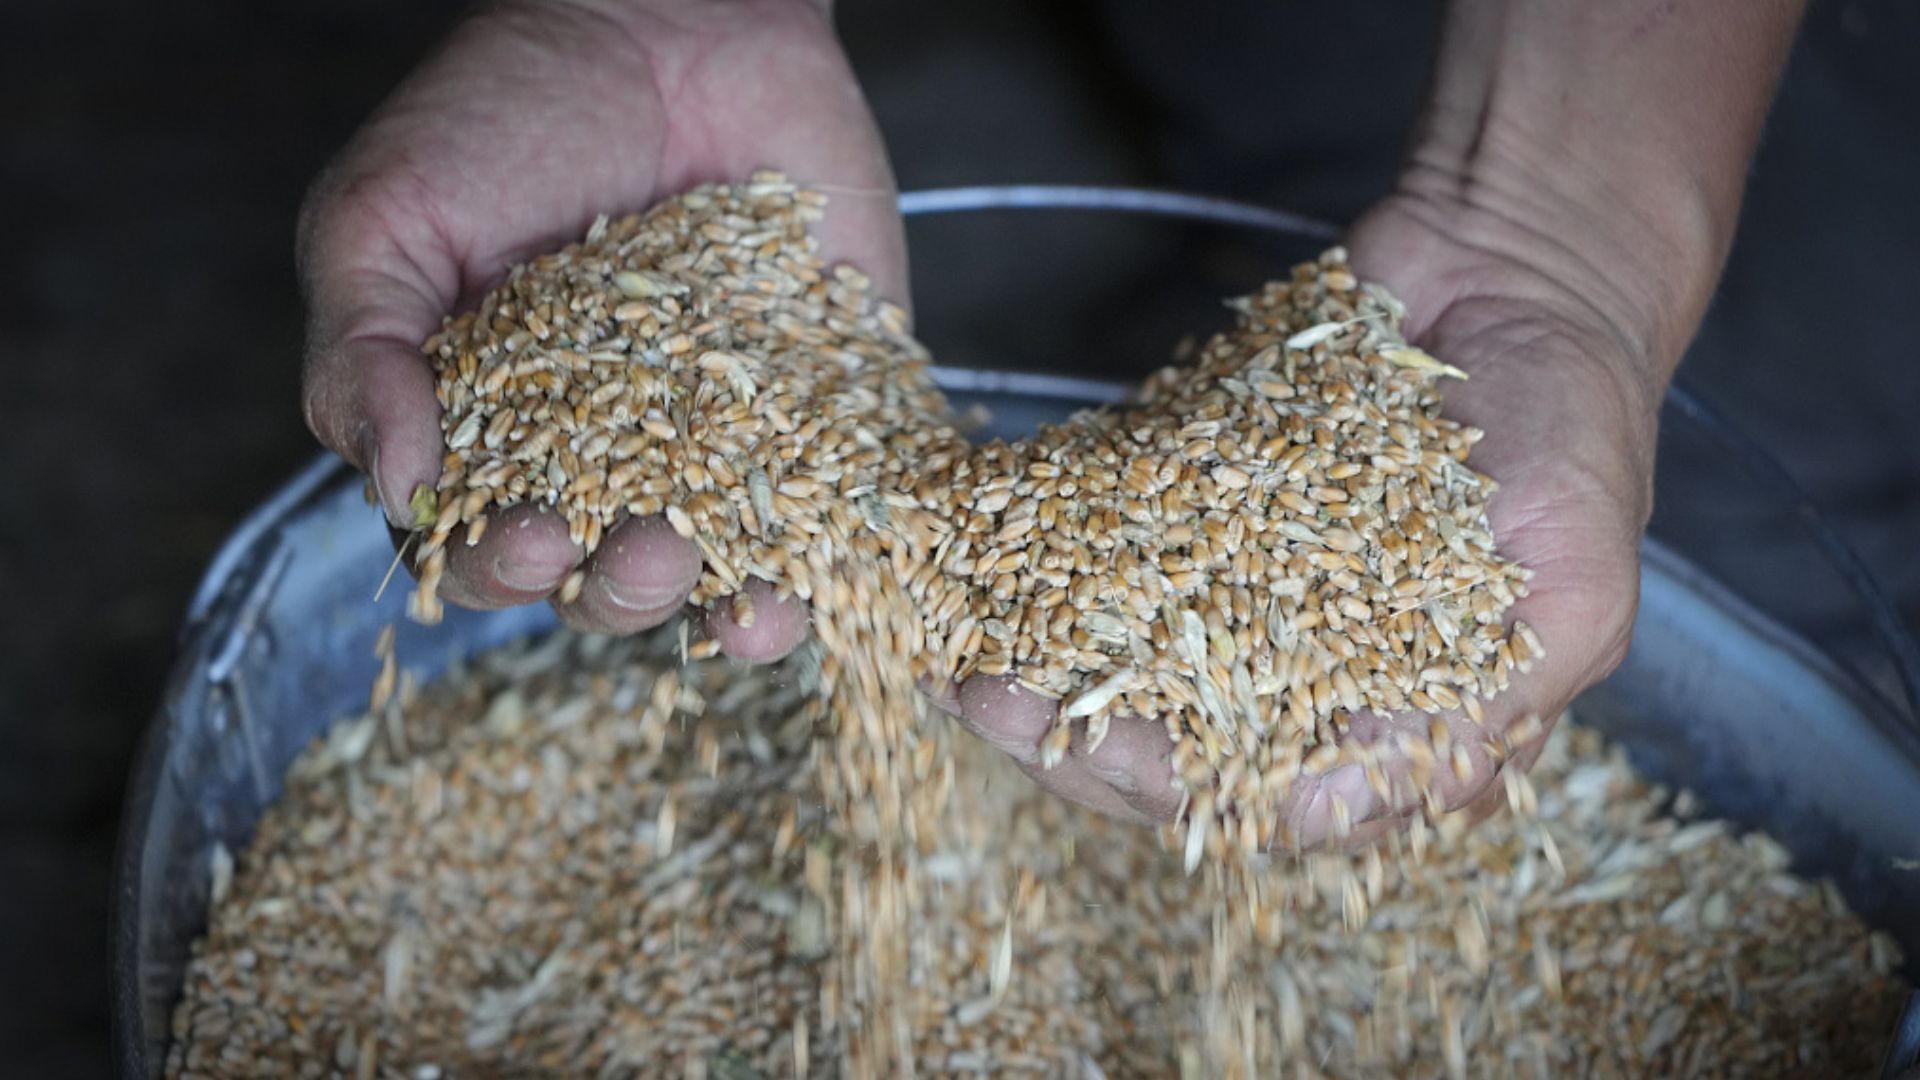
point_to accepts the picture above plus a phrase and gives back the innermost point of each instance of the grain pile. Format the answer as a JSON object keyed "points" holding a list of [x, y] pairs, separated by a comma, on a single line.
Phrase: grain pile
{"points": [[1282, 532], [578, 858]]}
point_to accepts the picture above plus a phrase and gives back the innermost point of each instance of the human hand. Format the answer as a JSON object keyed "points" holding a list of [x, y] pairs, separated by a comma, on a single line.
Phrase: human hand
{"points": [[532, 118], [1566, 370], [1557, 233]]}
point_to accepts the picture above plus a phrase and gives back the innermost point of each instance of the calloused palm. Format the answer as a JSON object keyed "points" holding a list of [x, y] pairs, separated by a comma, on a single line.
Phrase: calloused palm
{"points": [[532, 118]]}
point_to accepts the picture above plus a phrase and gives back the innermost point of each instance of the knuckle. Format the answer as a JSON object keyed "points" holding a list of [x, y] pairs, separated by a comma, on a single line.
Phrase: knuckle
{"points": [[327, 213], [315, 207], [362, 205]]}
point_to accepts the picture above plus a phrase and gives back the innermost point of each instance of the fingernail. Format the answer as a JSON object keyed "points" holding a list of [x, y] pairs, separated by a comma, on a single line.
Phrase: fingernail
{"points": [[1348, 783], [523, 576], [643, 597], [369, 453]]}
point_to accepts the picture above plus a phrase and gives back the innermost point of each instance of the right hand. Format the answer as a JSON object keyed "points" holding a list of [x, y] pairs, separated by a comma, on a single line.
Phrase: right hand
{"points": [[532, 118]]}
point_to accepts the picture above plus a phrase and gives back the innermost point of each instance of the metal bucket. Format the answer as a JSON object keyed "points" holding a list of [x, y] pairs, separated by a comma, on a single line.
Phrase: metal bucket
{"points": [[1713, 696]]}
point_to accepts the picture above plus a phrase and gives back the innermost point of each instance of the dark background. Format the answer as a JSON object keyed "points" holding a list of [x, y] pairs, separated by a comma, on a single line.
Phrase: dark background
{"points": [[154, 156]]}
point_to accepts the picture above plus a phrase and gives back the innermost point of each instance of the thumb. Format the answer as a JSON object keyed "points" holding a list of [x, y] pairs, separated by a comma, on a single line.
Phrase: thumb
{"points": [[368, 392]]}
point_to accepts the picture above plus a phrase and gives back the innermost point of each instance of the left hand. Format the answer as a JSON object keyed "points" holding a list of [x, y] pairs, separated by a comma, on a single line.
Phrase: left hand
{"points": [[532, 117]]}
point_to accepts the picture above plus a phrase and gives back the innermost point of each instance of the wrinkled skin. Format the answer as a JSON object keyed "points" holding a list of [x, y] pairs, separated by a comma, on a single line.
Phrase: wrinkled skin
{"points": [[534, 117]]}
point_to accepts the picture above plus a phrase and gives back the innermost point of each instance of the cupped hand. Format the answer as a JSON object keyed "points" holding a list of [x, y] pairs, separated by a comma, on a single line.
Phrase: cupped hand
{"points": [[1565, 385], [532, 118]]}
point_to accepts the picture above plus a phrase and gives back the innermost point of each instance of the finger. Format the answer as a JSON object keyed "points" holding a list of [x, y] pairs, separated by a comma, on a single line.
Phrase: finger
{"points": [[371, 401], [1009, 717], [638, 578], [1485, 805], [1071, 781], [1013, 719], [1330, 808], [372, 299], [944, 694], [1527, 753], [863, 228], [1346, 797], [522, 557], [777, 627], [1521, 759], [1135, 760], [1369, 833], [1433, 764], [1397, 776]]}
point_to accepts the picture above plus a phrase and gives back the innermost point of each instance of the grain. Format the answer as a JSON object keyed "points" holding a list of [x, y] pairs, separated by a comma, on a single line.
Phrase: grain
{"points": [[602, 379], [547, 920], [1254, 522]]}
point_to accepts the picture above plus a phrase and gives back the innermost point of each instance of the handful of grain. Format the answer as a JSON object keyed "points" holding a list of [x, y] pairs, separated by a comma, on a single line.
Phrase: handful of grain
{"points": [[1279, 534]]}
